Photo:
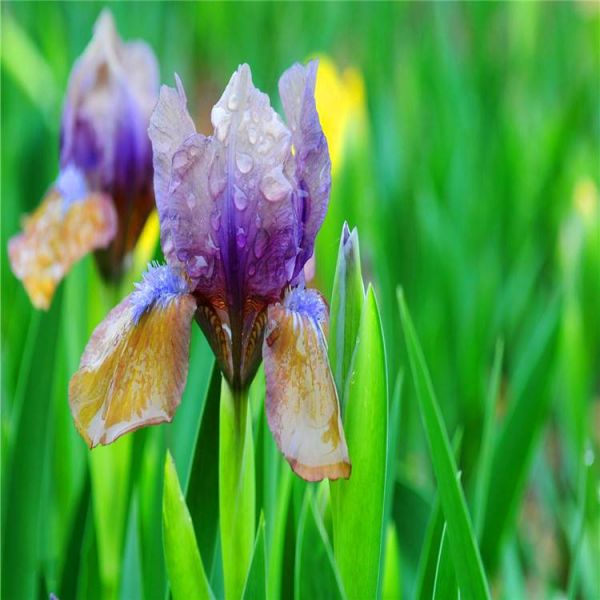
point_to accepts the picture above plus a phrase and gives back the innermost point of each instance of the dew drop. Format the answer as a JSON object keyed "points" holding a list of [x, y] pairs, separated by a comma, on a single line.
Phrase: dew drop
{"points": [[244, 162], [220, 119], [196, 265], [261, 242], [233, 102], [216, 179], [240, 237], [240, 199], [274, 185], [252, 270], [252, 135]]}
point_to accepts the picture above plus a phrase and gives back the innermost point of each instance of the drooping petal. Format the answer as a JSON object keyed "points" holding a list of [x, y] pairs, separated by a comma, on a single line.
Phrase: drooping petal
{"points": [[301, 402], [112, 90], [313, 165], [134, 368], [69, 223]]}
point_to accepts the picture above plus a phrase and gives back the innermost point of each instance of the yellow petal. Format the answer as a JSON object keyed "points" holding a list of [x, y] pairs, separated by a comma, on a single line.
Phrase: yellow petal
{"points": [[132, 375], [55, 237], [302, 404]]}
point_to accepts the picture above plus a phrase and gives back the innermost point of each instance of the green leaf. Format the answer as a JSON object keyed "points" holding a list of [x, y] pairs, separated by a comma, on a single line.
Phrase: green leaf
{"points": [[484, 464], [256, 584], [518, 438], [434, 537], [392, 578], [425, 577], [236, 489], [444, 585], [187, 577], [347, 299], [463, 546], [358, 503], [24, 503], [315, 573], [202, 495]]}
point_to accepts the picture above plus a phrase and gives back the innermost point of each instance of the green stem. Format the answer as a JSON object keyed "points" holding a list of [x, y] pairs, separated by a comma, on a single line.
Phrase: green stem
{"points": [[236, 489]]}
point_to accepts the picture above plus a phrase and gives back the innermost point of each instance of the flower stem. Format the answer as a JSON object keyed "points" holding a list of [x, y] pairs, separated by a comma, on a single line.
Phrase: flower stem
{"points": [[236, 489]]}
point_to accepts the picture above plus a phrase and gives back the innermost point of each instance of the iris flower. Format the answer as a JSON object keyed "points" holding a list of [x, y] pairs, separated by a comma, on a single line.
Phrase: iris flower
{"points": [[239, 212], [103, 193]]}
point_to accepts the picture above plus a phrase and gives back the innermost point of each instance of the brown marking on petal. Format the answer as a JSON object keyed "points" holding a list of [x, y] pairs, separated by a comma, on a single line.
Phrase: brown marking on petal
{"points": [[54, 238], [332, 472], [302, 404], [132, 375], [211, 324]]}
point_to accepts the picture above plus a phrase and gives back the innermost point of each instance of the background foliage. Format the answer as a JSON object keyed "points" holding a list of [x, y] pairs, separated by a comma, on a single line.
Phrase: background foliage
{"points": [[470, 164]]}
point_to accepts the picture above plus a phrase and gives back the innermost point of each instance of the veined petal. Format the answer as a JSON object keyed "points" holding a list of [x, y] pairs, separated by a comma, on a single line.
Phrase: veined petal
{"points": [[301, 402], [134, 368], [69, 223], [313, 165]]}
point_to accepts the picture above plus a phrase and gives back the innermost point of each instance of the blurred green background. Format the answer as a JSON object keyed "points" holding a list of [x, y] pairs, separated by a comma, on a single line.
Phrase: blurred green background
{"points": [[471, 168]]}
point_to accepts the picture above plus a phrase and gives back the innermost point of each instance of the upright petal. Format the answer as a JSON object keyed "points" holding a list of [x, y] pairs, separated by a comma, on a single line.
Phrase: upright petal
{"points": [[112, 91], [69, 223], [302, 404], [170, 126], [313, 165], [134, 368]]}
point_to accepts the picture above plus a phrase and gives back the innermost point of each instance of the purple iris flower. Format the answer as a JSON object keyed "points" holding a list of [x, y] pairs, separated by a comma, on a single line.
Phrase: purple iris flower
{"points": [[103, 193], [239, 212]]}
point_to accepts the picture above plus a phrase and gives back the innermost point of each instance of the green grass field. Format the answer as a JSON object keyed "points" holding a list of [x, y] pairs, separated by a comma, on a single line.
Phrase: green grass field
{"points": [[470, 165]]}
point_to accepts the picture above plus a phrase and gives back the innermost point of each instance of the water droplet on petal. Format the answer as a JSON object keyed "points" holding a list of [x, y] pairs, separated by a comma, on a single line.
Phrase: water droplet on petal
{"points": [[239, 198], [252, 270], [252, 135], [220, 119], [216, 179], [261, 242], [274, 185], [233, 102], [196, 265], [244, 162], [240, 237]]}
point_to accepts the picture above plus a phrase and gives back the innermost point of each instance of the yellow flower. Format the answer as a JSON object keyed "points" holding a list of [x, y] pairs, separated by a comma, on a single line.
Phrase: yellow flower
{"points": [[340, 97]]}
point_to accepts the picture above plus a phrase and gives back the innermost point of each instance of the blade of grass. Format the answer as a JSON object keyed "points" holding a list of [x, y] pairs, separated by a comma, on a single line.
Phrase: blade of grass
{"points": [[187, 577], [484, 465], [518, 437], [24, 505], [465, 553], [315, 575], [202, 491], [444, 584], [256, 584]]}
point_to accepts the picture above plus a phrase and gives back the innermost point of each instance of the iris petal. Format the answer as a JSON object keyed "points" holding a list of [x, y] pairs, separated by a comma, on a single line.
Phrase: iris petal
{"points": [[301, 402], [313, 165], [134, 368], [62, 230]]}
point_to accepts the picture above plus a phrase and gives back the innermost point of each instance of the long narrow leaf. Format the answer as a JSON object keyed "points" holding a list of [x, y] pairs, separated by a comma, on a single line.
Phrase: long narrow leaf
{"points": [[187, 577], [465, 553]]}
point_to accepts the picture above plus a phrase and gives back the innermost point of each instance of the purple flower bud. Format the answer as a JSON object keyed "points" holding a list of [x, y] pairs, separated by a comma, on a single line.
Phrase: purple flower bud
{"points": [[112, 90]]}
